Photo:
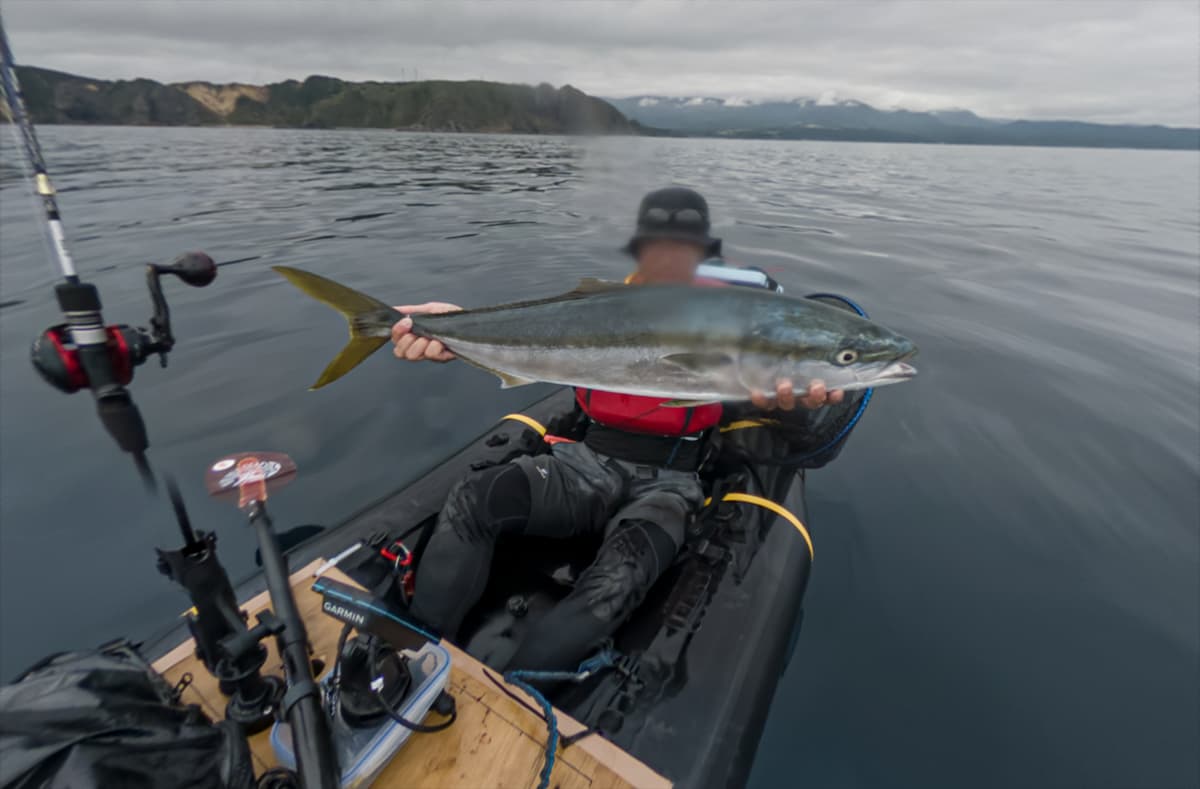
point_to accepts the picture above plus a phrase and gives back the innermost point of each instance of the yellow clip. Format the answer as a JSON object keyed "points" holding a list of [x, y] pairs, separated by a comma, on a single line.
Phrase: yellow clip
{"points": [[528, 421], [42, 182], [742, 424], [778, 509]]}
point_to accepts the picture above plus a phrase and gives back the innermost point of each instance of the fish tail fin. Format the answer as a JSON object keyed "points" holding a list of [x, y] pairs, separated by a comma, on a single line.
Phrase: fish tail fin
{"points": [[351, 356], [354, 307]]}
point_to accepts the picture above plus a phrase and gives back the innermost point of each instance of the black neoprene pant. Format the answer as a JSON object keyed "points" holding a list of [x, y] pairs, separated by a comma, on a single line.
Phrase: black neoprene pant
{"points": [[496, 501]]}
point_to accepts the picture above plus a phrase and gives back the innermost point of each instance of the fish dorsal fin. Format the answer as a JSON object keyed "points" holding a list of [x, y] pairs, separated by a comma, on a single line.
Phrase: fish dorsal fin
{"points": [[589, 286]]}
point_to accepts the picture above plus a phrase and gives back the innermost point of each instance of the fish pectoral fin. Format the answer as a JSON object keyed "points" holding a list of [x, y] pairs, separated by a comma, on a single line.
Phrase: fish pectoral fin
{"points": [[697, 361], [508, 381], [687, 403]]}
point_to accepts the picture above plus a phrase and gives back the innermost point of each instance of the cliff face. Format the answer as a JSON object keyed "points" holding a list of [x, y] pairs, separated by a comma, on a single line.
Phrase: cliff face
{"points": [[475, 106], [221, 99]]}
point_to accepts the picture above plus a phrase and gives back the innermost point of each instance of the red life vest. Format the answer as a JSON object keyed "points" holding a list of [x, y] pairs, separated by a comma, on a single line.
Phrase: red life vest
{"points": [[641, 414]]}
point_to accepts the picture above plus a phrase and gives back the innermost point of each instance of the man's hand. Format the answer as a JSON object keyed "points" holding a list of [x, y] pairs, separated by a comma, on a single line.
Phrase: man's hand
{"points": [[785, 399], [414, 348]]}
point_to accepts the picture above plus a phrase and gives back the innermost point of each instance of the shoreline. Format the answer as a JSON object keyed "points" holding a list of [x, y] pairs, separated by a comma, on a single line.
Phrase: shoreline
{"points": [[662, 134]]}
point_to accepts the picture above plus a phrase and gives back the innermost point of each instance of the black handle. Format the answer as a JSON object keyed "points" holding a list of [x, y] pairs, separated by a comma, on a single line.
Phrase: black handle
{"points": [[80, 303], [316, 762], [195, 268]]}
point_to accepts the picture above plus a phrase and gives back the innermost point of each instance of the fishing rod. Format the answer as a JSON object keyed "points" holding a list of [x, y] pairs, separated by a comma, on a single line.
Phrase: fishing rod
{"points": [[83, 352]]}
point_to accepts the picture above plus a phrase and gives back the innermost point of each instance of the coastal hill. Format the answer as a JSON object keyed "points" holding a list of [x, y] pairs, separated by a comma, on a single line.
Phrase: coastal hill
{"points": [[321, 102], [479, 106]]}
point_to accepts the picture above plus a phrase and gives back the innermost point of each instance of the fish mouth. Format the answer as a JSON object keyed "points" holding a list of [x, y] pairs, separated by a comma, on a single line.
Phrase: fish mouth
{"points": [[894, 373]]}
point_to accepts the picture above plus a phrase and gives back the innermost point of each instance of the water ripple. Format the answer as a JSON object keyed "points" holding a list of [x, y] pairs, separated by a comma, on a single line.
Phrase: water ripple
{"points": [[1010, 581]]}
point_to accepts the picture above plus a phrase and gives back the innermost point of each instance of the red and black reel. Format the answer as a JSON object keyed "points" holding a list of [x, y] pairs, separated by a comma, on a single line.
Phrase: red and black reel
{"points": [[56, 357]]}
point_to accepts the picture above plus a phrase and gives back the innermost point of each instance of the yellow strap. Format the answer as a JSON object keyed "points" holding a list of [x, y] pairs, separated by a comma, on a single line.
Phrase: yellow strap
{"points": [[778, 509], [742, 424], [744, 498], [43, 184], [527, 420]]}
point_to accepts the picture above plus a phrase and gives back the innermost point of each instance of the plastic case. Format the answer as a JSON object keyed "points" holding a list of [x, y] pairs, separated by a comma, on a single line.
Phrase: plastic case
{"points": [[362, 754]]}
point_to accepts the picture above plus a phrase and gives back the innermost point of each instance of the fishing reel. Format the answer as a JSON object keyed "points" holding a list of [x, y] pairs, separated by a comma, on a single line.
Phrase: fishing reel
{"points": [[57, 356]]}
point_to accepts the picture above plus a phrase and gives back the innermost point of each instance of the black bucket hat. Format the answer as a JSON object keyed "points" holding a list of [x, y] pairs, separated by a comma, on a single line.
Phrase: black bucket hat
{"points": [[676, 213]]}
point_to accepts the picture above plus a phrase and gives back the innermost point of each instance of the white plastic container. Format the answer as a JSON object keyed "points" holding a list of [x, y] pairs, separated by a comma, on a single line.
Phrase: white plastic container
{"points": [[362, 754]]}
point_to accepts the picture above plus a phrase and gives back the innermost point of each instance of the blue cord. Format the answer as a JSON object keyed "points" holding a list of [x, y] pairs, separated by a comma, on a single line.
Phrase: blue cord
{"points": [[674, 450], [603, 659], [547, 676], [862, 406], [852, 305], [514, 678]]}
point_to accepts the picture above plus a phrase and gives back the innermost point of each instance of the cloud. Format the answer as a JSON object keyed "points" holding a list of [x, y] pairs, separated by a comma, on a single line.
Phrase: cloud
{"points": [[1087, 59]]}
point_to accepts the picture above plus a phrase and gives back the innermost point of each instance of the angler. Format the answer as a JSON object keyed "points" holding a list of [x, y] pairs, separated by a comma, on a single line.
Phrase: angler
{"points": [[633, 475]]}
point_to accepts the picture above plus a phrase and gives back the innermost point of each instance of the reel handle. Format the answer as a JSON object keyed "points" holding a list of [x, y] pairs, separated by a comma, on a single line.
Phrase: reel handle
{"points": [[194, 268]]}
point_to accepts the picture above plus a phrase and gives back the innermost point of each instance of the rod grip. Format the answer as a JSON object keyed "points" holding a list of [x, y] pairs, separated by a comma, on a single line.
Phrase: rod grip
{"points": [[123, 421]]}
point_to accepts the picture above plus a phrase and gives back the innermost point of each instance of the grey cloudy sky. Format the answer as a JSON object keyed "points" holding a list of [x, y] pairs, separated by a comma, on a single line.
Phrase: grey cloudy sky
{"points": [[1136, 61]]}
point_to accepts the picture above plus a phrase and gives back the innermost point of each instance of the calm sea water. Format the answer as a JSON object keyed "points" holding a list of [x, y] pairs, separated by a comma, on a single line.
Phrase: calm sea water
{"points": [[1007, 583]]}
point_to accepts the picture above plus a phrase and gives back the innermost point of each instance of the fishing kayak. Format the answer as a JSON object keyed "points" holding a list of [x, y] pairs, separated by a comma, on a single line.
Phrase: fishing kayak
{"points": [[264, 686], [693, 671]]}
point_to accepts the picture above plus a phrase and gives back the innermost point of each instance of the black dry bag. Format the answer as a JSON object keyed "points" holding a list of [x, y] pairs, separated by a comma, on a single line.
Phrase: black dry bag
{"points": [[103, 718]]}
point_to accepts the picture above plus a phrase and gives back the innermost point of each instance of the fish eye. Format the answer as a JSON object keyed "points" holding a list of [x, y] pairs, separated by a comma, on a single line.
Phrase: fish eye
{"points": [[847, 356]]}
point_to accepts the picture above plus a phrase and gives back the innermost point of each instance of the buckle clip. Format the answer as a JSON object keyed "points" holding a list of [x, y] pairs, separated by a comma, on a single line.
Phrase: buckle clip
{"points": [[398, 554]]}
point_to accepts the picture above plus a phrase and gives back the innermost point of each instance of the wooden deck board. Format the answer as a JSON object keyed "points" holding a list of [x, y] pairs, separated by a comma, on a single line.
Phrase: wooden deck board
{"points": [[494, 743]]}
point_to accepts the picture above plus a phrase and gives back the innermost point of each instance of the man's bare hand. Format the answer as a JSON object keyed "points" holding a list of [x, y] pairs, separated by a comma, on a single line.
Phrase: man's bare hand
{"points": [[413, 348], [786, 400]]}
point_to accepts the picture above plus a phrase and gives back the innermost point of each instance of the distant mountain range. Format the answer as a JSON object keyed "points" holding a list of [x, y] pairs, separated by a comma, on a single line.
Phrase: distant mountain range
{"points": [[478, 106], [321, 102], [853, 120]]}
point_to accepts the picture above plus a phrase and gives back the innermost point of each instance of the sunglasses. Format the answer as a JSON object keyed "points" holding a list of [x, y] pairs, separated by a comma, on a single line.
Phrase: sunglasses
{"points": [[680, 216]]}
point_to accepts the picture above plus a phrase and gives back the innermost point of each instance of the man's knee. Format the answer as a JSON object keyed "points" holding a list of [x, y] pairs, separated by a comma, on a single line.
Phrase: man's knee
{"points": [[668, 509], [487, 503], [630, 561]]}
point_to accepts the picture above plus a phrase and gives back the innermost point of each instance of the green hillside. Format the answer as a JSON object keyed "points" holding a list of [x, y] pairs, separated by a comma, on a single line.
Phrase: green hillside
{"points": [[322, 102]]}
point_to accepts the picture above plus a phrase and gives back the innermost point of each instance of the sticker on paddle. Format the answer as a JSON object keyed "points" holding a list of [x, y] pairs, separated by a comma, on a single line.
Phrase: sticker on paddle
{"points": [[250, 476]]}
